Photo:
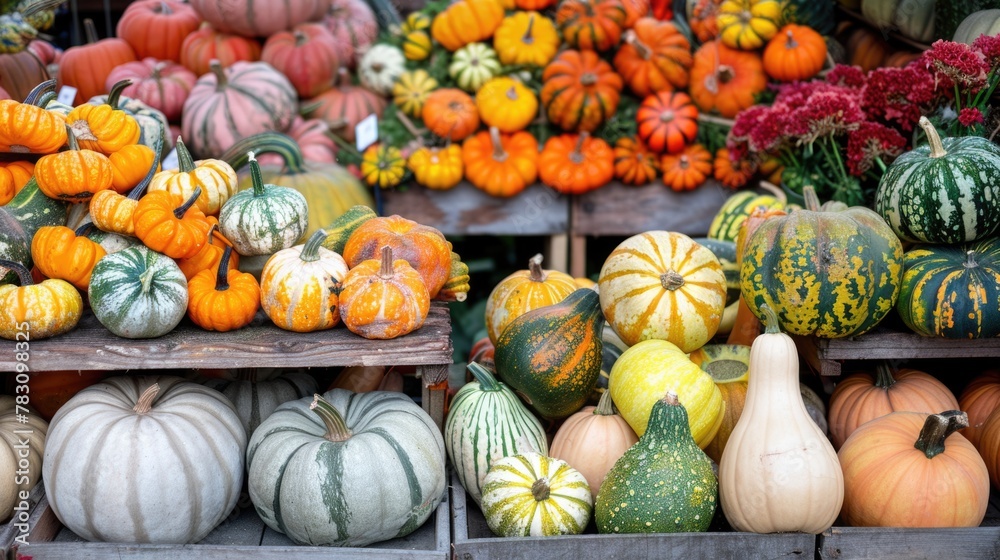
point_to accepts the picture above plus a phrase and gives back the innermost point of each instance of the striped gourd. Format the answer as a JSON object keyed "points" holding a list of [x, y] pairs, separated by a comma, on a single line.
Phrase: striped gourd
{"points": [[725, 251], [14, 246], [255, 399], [952, 291], [347, 469], [531, 495], [944, 192], [138, 293], [226, 105], [523, 291], [729, 219], [265, 219], [170, 454], [486, 423]]}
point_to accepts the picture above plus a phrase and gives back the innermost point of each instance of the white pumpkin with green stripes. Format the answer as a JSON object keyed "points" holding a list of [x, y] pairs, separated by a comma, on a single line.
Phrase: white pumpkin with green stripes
{"points": [[473, 65], [487, 422], [346, 469], [138, 293], [531, 495], [255, 399]]}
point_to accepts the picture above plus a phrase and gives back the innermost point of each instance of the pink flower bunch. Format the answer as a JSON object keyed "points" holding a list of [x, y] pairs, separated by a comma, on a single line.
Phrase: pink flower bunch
{"points": [[871, 141]]}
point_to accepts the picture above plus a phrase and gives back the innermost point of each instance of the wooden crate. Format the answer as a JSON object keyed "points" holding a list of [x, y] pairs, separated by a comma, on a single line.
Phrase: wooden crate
{"points": [[41, 524]]}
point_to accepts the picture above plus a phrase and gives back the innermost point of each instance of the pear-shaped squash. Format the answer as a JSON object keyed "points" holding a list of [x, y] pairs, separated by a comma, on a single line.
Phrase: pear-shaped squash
{"points": [[552, 355], [662, 484]]}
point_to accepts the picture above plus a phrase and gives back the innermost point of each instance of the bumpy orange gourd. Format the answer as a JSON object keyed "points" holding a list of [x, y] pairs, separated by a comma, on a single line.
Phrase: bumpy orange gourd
{"points": [[168, 224], [526, 38], [210, 255], [112, 212], [38, 311], [731, 174], [25, 128], [506, 104], [437, 168], [636, 10], [61, 253], [524, 291], [74, 175], [500, 164], [13, 176], [687, 170], [216, 179], [385, 298], [795, 53], [668, 122], [591, 24], [130, 165], [725, 80], [537, 5], [466, 21], [451, 114], [424, 247], [580, 91], [222, 299], [634, 163], [575, 164], [656, 57], [104, 128], [979, 399]]}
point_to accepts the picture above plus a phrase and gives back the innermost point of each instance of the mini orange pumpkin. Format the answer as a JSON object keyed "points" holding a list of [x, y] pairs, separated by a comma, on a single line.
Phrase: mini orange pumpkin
{"points": [[500, 164], [979, 399], [61, 253], [634, 163], [575, 164], [467, 21], [725, 80], [222, 299], [580, 91], [668, 122], [216, 179], [451, 114], [656, 57], [130, 165], [210, 255], [591, 24], [733, 174], [168, 224], [74, 175], [104, 128], [13, 176], [687, 170], [383, 299], [112, 212], [795, 53], [25, 128]]}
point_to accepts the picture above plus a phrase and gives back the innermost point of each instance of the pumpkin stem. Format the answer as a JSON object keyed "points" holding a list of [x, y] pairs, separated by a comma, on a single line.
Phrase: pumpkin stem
{"points": [[487, 381], [725, 74], [184, 160], [336, 427], [145, 402], [84, 229], [23, 274], [933, 138], [145, 279], [38, 91], [183, 208], [667, 116], [222, 276], [684, 162], [71, 138], [163, 8], [90, 31], [605, 406], [774, 190], [512, 93], [310, 252], [540, 489], [641, 49], [937, 428], [528, 38], [670, 399], [883, 376], [790, 42], [386, 271], [535, 272], [671, 280], [498, 152], [116, 93], [576, 156], [588, 79], [220, 74], [300, 38], [970, 260], [255, 177], [770, 320], [811, 198], [158, 68]]}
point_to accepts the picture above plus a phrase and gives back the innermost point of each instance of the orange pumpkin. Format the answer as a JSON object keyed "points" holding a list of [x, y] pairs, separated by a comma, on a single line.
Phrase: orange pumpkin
{"points": [[74, 175], [701, 17], [591, 25], [576, 163], [25, 128], [223, 299], [725, 80], [522, 292], [62, 253], [899, 59], [634, 163], [500, 164], [861, 397], [467, 21], [534, 5], [668, 122], [130, 165], [580, 91], [13, 176], [86, 67], [105, 128], [979, 399], [634, 11], [451, 113], [656, 57], [168, 224], [795, 53], [210, 255], [865, 47], [206, 44], [731, 174], [384, 298], [687, 170], [50, 390]]}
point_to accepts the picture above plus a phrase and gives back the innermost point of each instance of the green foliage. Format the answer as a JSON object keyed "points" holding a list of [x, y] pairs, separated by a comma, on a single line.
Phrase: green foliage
{"points": [[622, 123], [712, 135]]}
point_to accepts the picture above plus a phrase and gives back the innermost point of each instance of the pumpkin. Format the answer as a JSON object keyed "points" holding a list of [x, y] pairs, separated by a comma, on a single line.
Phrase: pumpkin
{"points": [[380, 67], [206, 44], [255, 19], [23, 433], [795, 53], [506, 104], [890, 481], [952, 291], [765, 496], [900, 59], [109, 210], [362, 447], [668, 122], [256, 397], [748, 24], [536, 5], [423, 247], [263, 220], [197, 483], [635, 164], [862, 397], [732, 173], [451, 113], [173, 21], [725, 80], [592, 440], [210, 255], [299, 286], [138, 293], [989, 446], [25, 128], [580, 90], [532, 495], [467, 21], [86, 67], [341, 229], [307, 55], [913, 20], [729, 219], [746, 326], [653, 367], [354, 27], [487, 422], [254, 97], [74, 175], [591, 25], [112, 242], [952, 172], [154, 131], [457, 287], [473, 65], [51, 390], [167, 223], [576, 163], [523, 291], [61, 253], [828, 273], [162, 85], [346, 105], [104, 128], [20, 218], [979, 399], [526, 38], [46, 309], [14, 175], [130, 166], [412, 90], [663, 285], [383, 166], [982, 22], [223, 299], [359, 379], [656, 57], [21, 72], [314, 139], [662, 484], [500, 164], [417, 45], [416, 21], [383, 299], [216, 179], [865, 47], [437, 168], [728, 365], [687, 170]]}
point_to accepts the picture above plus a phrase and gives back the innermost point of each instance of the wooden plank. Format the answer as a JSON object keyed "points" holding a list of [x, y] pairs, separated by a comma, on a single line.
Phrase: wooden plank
{"points": [[466, 210], [37, 526], [885, 345], [617, 209], [857, 543], [578, 256], [557, 252], [91, 346]]}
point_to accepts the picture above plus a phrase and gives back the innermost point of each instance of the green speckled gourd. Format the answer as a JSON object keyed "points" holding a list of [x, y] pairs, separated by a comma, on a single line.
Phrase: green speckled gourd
{"points": [[725, 251], [341, 229], [728, 221], [551, 356], [663, 484], [944, 192]]}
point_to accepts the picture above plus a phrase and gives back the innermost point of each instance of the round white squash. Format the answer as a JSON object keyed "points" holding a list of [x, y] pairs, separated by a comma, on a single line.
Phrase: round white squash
{"points": [[255, 399], [21, 448]]}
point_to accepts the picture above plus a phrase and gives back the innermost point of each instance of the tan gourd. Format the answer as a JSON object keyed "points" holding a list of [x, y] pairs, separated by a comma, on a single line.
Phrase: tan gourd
{"points": [[779, 472]]}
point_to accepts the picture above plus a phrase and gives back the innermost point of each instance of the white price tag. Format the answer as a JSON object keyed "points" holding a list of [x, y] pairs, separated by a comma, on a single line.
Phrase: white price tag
{"points": [[170, 162], [366, 132], [67, 95]]}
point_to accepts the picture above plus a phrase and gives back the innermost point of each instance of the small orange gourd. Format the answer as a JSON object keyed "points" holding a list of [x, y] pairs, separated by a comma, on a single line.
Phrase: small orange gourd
{"points": [[168, 224], [451, 114], [576, 163], [635, 164], [668, 122], [26, 128], [795, 53], [216, 179], [104, 128], [733, 174], [130, 165], [210, 255], [688, 169], [524, 291], [979, 399], [13, 176], [111, 211], [48, 308], [500, 164], [62, 253], [74, 175], [656, 57], [223, 299], [384, 298]]}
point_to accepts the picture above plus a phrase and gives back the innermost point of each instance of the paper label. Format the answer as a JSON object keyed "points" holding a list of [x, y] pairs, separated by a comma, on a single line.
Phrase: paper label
{"points": [[67, 95], [170, 162], [366, 132]]}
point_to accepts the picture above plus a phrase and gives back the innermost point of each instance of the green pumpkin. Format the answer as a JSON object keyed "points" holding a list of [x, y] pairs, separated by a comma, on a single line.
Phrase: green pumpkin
{"points": [[952, 291], [473, 65], [551, 356], [341, 229], [112, 242], [729, 219], [817, 14], [346, 469], [138, 293], [726, 253], [487, 422], [663, 484], [945, 192], [13, 246], [913, 19], [826, 273], [33, 210], [611, 348], [264, 220]]}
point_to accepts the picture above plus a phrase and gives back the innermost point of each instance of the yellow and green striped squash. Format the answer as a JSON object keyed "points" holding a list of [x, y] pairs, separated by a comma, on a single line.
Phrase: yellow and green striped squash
{"points": [[952, 291], [416, 45], [748, 24], [531, 495], [412, 90], [728, 221]]}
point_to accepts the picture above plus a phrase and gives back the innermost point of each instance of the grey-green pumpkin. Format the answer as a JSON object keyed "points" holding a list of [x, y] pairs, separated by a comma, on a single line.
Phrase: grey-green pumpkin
{"points": [[264, 219], [255, 398]]}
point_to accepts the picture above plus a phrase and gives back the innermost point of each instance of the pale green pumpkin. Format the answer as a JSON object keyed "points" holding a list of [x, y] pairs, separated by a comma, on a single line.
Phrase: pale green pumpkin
{"points": [[473, 65]]}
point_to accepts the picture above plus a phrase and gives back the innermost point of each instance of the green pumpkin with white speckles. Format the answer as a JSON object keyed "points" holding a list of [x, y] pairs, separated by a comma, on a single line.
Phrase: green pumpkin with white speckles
{"points": [[663, 484], [265, 219]]}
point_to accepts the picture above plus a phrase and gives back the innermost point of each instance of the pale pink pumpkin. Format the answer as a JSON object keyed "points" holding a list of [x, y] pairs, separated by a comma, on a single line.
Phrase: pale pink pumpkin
{"points": [[313, 138], [344, 106], [306, 55], [45, 51], [257, 18], [161, 84], [354, 27]]}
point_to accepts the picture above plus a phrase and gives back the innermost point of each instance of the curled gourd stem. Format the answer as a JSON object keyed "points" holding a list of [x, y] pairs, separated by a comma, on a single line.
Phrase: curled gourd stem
{"points": [[145, 402], [774, 190], [23, 274], [71, 138], [535, 272], [183, 208], [883, 376], [221, 82], [116, 92], [222, 276], [541, 490], [605, 406], [933, 138], [385, 271], [770, 320], [255, 177], [937, 428], [487, 382], [336, 427], [310, 252]]}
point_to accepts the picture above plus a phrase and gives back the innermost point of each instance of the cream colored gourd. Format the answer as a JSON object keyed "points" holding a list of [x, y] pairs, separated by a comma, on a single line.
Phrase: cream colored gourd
{"points": [[778, 473], [12, 434]]}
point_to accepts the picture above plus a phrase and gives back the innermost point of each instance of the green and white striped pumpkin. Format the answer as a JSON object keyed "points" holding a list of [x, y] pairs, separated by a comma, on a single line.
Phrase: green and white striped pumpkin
{"points": [[255, 399], [112, 242], [952, 291], [531, 495], [138, 293], [945, 192], [265, 219], [347, 469], [486, 423], [729, 219], [144, 459], [380, 67], [473, 65]]}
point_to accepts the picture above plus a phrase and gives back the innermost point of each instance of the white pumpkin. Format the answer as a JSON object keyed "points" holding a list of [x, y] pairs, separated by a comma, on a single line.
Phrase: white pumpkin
{"points": [[21, 448], [144, 459], [983, 22], [255, 399], [473, 65], [380, 67]]}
